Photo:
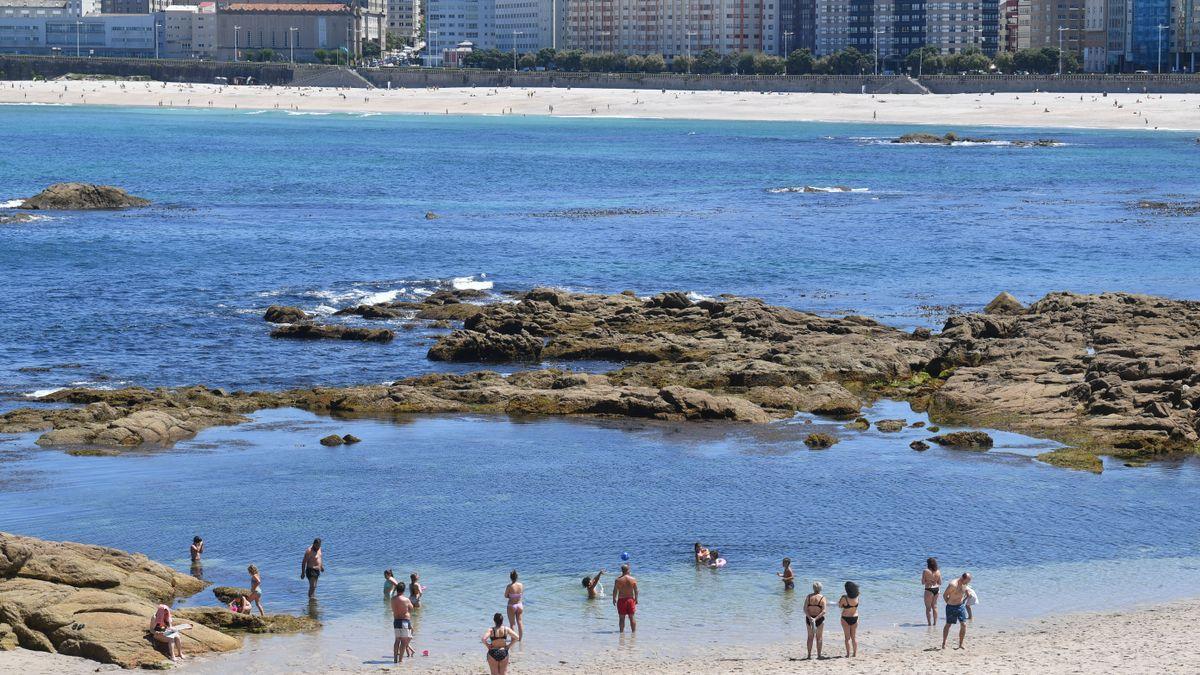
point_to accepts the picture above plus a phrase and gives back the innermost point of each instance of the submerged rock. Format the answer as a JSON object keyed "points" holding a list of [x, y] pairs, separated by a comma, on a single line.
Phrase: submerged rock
{"points": [[316, 331], [285, 314], [91, 601], [919, 446], [351, 439], [1073, 458], [332, 440], [859, 424], [819, 441], [968, 440], [81, 197], [891, 426]]}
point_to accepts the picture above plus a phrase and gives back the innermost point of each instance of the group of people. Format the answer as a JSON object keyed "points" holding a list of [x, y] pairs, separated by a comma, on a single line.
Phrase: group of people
{"points": [[404, 598]]}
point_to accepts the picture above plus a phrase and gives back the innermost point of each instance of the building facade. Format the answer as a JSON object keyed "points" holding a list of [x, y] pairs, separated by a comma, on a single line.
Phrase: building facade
{"points": [[133, 6], [675, 27], [1185, 35], [404, 19], [450, 23], [123, 35], [530, 25], [285, 28], [189, 32]]}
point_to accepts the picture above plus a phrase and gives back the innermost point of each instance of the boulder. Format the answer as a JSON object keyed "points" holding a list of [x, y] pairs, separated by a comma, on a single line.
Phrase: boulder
{"points": [[819, 441], [1004, 303], [285, 314], [966, 440], [487, 346], [221, 619], [228, 594], [891, 426], [91, 601], [350, 439], [919, 446], [81, 197], [859, 424], [332, 440], [314, 331]]}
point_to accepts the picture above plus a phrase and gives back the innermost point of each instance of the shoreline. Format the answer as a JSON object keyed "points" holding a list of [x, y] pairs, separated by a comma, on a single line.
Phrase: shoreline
{"points": [[1145, 639], [1128, 111]]}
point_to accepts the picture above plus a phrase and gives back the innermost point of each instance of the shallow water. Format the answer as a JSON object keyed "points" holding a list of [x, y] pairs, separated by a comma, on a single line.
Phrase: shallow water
{"points": [[327, 211], [465, 499]]}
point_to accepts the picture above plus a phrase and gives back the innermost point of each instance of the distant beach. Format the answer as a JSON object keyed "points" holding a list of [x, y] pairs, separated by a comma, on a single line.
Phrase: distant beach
{"points": [[1178, 112], [1153, 639]]}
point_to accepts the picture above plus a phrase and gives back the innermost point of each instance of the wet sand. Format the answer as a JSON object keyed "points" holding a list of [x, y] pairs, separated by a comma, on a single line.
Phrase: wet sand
{"points": [[1153, 639], [1034, 110]]}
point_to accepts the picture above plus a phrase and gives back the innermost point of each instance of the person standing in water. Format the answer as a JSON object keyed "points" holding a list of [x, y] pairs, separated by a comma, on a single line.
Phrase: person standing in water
{"points": [[849, 604], [415, 589], [255, 589], [389, 585], [788, 576], [956, 608], [312, 565], [814, 617], [592, 585], [625, 597], [931, 580], [497, 639], [401, 624], [197, 549], [515, 592]]}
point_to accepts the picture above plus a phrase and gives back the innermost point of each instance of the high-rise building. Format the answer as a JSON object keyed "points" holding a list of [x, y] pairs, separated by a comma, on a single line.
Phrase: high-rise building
{"points": [[675, 27], [1149, 36], [1057, 23], [188, 31], [1095, 36], [530, 25], [449, 23], [1185, 35], [797, 25], [894, 28], [133, 6], [404, 19]]}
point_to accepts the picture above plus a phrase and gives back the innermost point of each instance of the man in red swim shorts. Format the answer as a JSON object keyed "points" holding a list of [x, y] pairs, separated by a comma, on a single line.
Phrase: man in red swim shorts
{"points": [[625, 597]]}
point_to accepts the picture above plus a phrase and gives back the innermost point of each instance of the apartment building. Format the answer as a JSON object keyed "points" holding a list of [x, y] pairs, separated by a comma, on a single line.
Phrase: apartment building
{"points": [[675, 27]]}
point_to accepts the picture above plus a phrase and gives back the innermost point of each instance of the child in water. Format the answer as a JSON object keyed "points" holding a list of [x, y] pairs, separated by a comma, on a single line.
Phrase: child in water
{"points": [[788, 576]]}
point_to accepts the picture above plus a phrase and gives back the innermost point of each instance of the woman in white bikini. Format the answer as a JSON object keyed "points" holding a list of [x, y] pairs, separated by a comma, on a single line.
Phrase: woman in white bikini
{"points": [[497, 640], [931, 580], [515, 592]]}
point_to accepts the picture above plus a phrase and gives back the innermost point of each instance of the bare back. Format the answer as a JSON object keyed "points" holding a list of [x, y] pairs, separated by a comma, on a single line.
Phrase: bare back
{"points": [[625, 587], [931, 579], [401, 607]]}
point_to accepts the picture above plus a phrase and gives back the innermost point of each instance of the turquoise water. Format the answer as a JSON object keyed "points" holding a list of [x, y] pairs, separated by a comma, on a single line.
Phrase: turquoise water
{"points": [[328, 211]]}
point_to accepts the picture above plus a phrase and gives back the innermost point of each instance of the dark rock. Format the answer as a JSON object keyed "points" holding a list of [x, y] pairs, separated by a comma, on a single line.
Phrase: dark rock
{"points": [[285, 314], [332, 440], [672, 300], [970, 440], [82, 197], [314, 331], [919, 446], [890, 426], [1004, 303], [859, 424], [350, 439]]}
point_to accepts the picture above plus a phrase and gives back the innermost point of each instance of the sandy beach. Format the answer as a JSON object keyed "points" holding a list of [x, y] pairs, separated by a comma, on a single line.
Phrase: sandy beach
{"points": [[1179, 112], [1154, 639]]}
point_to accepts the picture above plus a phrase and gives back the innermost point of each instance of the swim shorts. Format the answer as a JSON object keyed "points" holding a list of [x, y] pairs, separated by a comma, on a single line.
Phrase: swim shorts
{"points": [[626, 607], [403, 628], [311, 573], [956, 613]]}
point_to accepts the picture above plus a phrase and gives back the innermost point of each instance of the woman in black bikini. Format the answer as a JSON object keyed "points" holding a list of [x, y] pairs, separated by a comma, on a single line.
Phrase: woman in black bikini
{"points": [[849, 604], [814, 616], [497, 639], [931, 579]]}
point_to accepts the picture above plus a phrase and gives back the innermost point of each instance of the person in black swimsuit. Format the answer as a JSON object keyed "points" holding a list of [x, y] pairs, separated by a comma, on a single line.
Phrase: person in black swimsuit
{"points": [[788, 576], [496, 639], [849, 604], [814, 617]]}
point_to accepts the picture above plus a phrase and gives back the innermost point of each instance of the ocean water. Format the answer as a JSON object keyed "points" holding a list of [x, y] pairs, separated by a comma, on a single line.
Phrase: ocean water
{"points": [[328, 211]]}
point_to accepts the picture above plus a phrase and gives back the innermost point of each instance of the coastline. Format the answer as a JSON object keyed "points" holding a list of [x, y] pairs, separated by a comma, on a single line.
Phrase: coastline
{"points": [[1146, 639], [1125, 111]]}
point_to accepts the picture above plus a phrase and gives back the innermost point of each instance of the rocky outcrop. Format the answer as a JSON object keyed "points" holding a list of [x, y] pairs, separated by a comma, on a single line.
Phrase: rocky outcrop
{"points": [[1114, 373], [1073, 458], [332, 440], [919, 446], [443, 305], [966, 440], [92, 602], [81, 197], [1004, 303], [819, 441], [221, 619], [317, 331], [285, 314], [890, 426]]}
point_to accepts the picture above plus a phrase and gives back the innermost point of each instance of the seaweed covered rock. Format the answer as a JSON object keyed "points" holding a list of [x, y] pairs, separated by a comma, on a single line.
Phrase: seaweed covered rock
{"points": [[221, 619], [966, 440], [1073, 458], [82, 197], [820, 441], [285, 314], [316, 331]]}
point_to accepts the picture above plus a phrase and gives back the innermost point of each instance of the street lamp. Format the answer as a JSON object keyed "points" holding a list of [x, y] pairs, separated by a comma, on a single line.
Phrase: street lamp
{"points": [[156, 27], [292, 44], [1160, 28], [235, 43], [514, 45], [78, 25]]}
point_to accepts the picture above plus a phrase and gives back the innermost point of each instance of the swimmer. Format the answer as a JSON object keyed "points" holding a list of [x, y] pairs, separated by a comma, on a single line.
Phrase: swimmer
{"points": [[497, 639], [515, 592], [701, 554], [415, 589], [197, 548], [931, 580], [849, 604], [593, 587], [788, 576], [389, 584], [814, 616]]}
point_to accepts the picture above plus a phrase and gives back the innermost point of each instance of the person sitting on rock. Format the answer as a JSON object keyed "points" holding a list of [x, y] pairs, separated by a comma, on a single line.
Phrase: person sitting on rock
{"points": [[165, 633]]}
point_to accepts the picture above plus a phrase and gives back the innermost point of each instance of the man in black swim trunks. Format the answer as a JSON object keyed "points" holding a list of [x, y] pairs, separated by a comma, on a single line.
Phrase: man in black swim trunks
{"points": [[956, 608], [312, 565]]}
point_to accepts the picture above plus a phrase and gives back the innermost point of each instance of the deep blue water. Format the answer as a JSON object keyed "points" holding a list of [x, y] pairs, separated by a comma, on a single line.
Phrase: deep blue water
{"points": [[252, 209]]}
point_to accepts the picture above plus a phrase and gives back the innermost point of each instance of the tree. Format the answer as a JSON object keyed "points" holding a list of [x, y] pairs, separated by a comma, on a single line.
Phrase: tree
{"points": [[707, 62], [800, 62], [1004, 62], [728, 64], [546, 57], [969, 60], [848, 61], [634, 63], [571, 60], [654, 63], [528, 61], [370, 49], [768, 65], [683, 64], [925, 61], [746, 63]]}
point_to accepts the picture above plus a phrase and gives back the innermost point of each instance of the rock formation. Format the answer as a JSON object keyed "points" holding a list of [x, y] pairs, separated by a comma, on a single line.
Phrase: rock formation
{"points": [[81, 197], [1112, 373], [317, 331], [92, 602], [285, 314]]}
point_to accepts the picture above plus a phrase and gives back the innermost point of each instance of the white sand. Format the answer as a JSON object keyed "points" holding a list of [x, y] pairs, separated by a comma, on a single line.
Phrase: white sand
{"points": [[1131, 111], [1157, 639]]}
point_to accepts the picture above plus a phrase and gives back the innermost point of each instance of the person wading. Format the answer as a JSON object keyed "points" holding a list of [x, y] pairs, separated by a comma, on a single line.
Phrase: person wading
{"points": [[625, 597]]}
